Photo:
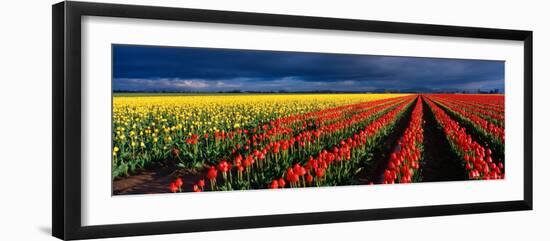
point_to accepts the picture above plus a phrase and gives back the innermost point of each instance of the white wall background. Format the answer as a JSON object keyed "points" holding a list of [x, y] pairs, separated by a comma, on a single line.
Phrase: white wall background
{"points": [[25, 119]]}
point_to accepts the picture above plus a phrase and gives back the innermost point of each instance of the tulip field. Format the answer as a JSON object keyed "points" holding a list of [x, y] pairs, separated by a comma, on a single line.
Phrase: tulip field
{"points": [[224, 142]]}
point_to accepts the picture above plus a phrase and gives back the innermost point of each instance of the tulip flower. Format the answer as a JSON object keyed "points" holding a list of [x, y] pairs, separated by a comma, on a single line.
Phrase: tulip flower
{"points": [[282, 182], [211, 175], [309, 178], [274, 184], [201, 183], [179, 182], [173, 187], [320, 172], [223, 166]]}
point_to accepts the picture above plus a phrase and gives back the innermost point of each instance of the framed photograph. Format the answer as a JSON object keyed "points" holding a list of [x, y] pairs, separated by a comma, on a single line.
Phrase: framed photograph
{"points": [[170, 120]]}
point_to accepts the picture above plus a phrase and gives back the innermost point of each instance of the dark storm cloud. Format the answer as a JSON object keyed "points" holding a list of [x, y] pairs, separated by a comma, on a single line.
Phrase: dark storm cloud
{"points": [[202, 69]]}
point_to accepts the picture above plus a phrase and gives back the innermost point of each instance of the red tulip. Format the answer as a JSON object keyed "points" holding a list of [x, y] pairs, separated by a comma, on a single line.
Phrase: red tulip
{"points": [[224, 166], [299, 170], [173, 187], [289, 174], [485, 169], [201, 183], [212, 173], [249, 160], [274, 184], [320, 172], [391, 165], [179, 182], [293, 177], [309, 178], [282, 182]]}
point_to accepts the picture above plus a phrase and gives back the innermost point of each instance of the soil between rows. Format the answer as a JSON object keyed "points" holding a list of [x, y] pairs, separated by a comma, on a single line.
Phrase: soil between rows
{"points": [[440, 163], [155, 180]]}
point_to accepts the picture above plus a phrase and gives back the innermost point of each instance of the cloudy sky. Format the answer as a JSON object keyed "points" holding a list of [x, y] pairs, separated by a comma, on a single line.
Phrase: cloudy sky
{"points": [[147, 68]]}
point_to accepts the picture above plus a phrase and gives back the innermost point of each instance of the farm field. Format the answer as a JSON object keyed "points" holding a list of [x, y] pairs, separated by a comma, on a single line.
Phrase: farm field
{"points": [[221, 142]]}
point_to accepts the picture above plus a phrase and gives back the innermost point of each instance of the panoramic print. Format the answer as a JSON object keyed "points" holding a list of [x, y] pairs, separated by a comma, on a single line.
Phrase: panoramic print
{"points": [[206, 119]]}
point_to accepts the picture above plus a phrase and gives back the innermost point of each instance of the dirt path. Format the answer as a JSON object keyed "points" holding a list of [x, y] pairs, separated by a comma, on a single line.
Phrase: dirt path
{"points": [[440, 163], [154, 181]]}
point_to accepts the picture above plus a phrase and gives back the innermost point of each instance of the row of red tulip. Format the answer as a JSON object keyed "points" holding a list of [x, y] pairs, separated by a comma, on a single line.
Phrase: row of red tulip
{"points": [[477, 159], [177, 185], [332, 165], [489, 114], [493, 103], [488, 128], [404, 163]]}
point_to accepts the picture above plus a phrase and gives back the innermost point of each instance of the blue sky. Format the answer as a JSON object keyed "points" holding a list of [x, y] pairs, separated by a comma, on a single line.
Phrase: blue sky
{"points": [[152, 68]]}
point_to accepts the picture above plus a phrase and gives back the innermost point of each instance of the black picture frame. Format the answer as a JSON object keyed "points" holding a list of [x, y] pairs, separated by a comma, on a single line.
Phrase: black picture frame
{"points": [[66, 158]]}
